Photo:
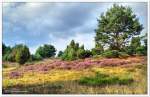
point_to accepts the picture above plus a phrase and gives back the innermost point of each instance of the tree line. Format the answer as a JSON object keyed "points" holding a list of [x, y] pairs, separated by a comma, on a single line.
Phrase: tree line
{"points": [[117, 35]]}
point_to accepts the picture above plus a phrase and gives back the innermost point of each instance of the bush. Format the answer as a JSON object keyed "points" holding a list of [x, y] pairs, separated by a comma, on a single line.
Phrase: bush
{"points": [[73, 52], [97, 51], [71, 55], [60, 53], [22, 54], [9, 57], [46, 51], [35, 58], [111, 54], [87, 53], [6, 50], [5, 57], [129, 50], [102, 79], [81, 53], [84, 54], [123, 55], [141, 50], [135, 43]]}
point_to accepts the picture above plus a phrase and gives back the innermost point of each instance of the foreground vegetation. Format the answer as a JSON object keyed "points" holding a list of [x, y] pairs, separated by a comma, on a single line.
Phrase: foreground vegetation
{"points": [[122, 79]]}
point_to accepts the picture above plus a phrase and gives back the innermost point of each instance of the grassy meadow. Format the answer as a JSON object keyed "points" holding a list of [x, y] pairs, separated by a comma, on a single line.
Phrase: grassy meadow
{"points": [[128, 77]]}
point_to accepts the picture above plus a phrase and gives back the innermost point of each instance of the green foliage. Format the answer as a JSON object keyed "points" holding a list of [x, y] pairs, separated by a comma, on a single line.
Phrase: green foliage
{"points": [[72, 44], [6, 50], [116, 27], [136, 47], [111, 54], [73, 52], [123, 55], [46, 51], [102, 79], [141, 50], [82, 53], [22, 54], [70, 52], [87, 53], [35, 57], [19, 53], [145, 43], [135, 42], [115, 54], [98, 49], [9, 57], [129, 50], [3, 48], [60, 53], [145, 46]]}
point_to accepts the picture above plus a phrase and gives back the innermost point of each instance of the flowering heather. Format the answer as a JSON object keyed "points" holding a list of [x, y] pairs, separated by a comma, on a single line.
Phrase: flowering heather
{"points": [[75, 65], [15, 74]]}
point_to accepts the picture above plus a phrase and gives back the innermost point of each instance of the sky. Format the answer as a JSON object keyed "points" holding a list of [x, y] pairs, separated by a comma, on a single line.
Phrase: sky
{"points": [[35, 24]]}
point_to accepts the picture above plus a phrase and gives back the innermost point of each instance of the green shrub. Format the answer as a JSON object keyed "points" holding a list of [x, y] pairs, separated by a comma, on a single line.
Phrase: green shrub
{"points": [[129, 50], [60, 54], [87, 53], [6, 51], [123, 55], [111, 54], [35, 58], [5, 57], [141, 50], [135, 42], [81, 53], [84, 54], [97, 51], [46, 51], [73, 52], [22, 54], [125, 81], [9, 57], [102, 79]]}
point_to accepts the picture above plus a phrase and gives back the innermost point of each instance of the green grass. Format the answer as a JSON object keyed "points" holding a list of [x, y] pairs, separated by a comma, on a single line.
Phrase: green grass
{"points": [[103, 79]]}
